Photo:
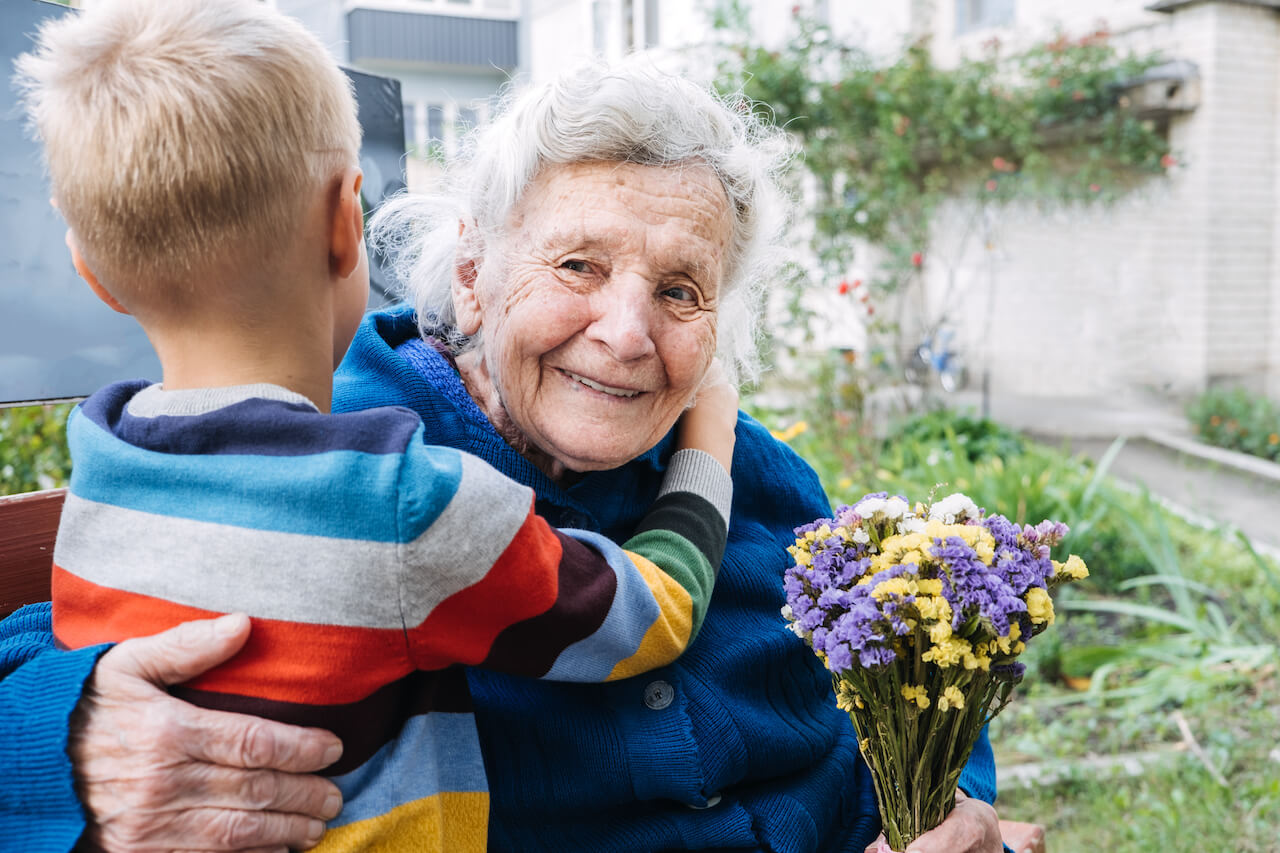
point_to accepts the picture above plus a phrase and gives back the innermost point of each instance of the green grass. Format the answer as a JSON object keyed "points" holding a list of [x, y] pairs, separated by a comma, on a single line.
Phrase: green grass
{"points": [[1175, 804]]}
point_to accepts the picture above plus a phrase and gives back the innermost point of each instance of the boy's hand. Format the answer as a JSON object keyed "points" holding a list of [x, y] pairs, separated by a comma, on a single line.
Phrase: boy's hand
{"points": [[155, 773], [709, 425]]}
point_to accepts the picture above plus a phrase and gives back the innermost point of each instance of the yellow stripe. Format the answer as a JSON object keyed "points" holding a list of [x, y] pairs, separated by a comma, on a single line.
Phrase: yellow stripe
{"points": [[450, 821], [668, 636]]}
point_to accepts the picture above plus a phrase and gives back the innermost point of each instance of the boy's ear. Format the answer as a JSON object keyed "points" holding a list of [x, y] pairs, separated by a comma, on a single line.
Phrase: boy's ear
{"points": [[82, 269], [466, 302], [346, 230]]}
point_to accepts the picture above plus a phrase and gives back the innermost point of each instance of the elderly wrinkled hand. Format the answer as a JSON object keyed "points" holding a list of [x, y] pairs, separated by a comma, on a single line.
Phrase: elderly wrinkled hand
{"points": [[157, 774], [972, 827]]}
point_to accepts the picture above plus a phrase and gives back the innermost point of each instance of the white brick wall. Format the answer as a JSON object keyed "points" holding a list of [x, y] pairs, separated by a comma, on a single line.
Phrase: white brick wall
{"points": [[1174, 286]]}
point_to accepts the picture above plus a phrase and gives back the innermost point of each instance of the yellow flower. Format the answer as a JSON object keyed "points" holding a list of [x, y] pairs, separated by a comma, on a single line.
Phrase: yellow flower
{"points": [[847, 699], [916, 694], [933, 606], [893, 586], [844, 483], [1039, 606], [940, 632], [1074, 568], [948, 652], [930, 586], [951, 698]]}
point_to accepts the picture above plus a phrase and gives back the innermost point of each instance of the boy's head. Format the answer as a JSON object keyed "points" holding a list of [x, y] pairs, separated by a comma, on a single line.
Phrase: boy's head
{"points": [[185, 139]]}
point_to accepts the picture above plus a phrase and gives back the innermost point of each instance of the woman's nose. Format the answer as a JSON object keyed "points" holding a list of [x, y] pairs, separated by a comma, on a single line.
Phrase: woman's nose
{"points": [[622, 318]]}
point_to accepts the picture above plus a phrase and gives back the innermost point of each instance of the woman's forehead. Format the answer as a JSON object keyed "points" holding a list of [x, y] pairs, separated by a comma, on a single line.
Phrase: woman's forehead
{"points": [[602, 205]]}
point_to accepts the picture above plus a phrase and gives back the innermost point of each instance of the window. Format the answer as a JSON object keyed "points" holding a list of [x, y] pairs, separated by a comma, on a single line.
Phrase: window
{"points": [[651, 30], [974, 15], [467, 119], [599, 25], [435, 123], [410, 124]]}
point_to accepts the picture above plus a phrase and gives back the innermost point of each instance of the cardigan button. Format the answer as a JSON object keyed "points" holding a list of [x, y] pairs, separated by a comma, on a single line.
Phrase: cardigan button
{"points": [[713, 800], [658, 695]]}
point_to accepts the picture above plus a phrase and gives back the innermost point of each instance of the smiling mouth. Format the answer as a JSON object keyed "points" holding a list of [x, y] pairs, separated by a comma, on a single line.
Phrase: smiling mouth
{"points": [[596, 386]]}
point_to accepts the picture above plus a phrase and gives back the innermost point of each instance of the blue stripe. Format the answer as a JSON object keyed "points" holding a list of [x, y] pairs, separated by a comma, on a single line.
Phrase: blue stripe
{"points": [[262, 492], [434, 753], [255, 426], [632, 612]]}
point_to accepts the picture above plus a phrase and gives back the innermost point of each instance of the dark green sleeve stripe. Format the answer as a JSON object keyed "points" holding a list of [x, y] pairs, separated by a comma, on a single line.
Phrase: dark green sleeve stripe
{"points": [[691, 517], [684, 562]]}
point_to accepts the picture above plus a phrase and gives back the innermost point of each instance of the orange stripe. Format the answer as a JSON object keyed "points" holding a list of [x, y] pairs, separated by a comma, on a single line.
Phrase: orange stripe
{"points": [[282, 661], [521, 584]]}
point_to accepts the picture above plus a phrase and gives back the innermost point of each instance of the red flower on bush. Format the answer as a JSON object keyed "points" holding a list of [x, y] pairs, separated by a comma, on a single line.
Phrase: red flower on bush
{"points": [[917, 259], [843, 287], [992, 185], [1168, 161]]}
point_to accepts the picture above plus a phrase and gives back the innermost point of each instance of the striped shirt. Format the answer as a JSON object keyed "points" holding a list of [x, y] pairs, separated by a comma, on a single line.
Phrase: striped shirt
{"points": [[371, 563]]}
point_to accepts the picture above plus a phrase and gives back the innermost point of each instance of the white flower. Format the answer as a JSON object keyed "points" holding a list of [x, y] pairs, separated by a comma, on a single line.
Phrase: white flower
{"points": [[896, 508], [911, 524], [953, 509], [786, 612], [860, 536], [869, 507]]}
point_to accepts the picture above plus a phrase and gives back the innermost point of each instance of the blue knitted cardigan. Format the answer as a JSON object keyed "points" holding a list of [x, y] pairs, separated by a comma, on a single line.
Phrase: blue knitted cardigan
{"points": [[736, 746]]}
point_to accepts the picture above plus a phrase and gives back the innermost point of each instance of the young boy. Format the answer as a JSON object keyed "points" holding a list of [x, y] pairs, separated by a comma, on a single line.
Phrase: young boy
{"points": [[203, 153]]}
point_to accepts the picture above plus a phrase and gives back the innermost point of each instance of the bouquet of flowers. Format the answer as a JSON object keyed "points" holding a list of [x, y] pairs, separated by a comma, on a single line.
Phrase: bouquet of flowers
{"points": [[920, 613]]}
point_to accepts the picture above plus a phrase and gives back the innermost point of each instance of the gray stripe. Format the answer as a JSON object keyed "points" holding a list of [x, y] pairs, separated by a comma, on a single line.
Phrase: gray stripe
{"points": [[154, 400], [289, 576], [698, 472], [466, 540], [271, 575]]}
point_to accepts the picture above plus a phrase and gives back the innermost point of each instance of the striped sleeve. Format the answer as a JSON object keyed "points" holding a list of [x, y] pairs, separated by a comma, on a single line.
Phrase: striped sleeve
{"points": [[559, 604]]}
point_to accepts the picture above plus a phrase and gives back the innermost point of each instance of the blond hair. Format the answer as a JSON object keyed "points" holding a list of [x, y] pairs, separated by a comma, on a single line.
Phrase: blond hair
{"points": [[179, 134]]}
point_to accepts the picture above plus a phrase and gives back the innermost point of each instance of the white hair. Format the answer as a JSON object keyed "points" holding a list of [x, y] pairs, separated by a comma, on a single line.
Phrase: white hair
{"points": [[627, 112]]}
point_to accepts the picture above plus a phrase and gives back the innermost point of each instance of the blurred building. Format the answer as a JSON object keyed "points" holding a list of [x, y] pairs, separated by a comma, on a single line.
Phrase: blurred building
{"points": [[1176, 286], [450, 56]]}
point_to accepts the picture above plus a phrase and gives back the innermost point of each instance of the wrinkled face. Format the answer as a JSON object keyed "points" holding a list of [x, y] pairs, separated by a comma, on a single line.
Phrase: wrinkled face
{"points": [[598, 308]]}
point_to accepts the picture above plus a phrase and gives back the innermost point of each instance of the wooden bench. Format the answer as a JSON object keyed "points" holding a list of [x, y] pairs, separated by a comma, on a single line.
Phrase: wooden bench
{"points": [[29, 523]]}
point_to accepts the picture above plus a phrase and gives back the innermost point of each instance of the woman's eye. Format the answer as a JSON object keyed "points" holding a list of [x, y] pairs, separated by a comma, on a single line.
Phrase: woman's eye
{"points": [[574, 265], [681, 294]]}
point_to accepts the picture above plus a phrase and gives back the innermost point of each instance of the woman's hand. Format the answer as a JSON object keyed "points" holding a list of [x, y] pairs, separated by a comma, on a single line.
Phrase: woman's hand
{"points": [[155, 773], [972, 827]]}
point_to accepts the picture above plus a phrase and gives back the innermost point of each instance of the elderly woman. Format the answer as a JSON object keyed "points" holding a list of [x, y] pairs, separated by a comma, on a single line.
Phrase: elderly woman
{"points": [[608, 238]]}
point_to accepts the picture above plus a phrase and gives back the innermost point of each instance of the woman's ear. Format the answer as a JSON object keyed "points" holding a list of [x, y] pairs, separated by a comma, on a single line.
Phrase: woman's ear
{"points": [[466, 270], [346, 228]]}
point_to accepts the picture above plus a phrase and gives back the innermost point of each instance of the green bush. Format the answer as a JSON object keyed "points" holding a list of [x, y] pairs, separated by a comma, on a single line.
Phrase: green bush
{"points": [[33, 448], [1237, 420]]}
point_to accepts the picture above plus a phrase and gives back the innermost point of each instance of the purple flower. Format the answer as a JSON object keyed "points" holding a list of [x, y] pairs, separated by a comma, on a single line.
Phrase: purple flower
{"points": [[973, 589]]}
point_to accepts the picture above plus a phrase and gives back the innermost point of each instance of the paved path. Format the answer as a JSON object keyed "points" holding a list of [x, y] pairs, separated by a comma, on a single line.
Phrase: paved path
{"points": [[1159, 452]]}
